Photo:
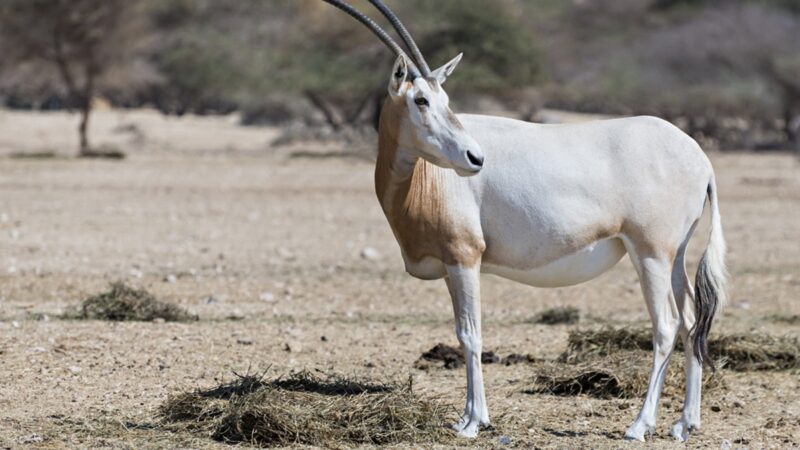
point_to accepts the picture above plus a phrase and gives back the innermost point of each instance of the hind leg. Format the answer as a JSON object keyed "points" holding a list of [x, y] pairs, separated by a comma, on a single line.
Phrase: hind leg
{"points": [[681, 286], [655, 277]]}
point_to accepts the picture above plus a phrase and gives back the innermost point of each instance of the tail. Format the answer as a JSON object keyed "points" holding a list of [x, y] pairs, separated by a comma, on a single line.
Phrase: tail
{"points": [[709, 284]]}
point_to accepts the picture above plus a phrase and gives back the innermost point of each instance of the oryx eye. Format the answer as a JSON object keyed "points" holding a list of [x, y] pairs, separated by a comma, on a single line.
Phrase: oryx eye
{"points": [[421, 101]]}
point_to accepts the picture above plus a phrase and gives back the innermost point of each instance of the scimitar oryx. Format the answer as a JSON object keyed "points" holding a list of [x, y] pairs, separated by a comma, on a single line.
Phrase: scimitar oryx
{"points": [[549, 206]]}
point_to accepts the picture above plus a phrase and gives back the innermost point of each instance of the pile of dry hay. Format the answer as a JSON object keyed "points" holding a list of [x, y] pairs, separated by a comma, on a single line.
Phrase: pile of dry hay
{"points": [[591, 343], [615, 362], [783, 318], [740, 352], [303, 408], [122, 302], [624, 374], [558, 316], [744, 352]]}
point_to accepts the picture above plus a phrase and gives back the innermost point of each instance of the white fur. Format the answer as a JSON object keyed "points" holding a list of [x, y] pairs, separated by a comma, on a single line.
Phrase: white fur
{"points": [[441, 74], [463, 284], [561, 204], [716, 249], [574, 268]]}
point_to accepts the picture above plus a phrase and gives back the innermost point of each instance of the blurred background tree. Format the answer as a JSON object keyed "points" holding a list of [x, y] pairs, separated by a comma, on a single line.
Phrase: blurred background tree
{"points": [[79, 41], [225, 55], [724, 70]]}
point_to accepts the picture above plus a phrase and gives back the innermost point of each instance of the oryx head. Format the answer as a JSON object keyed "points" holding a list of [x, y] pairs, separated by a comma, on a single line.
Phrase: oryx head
{"points": [[429, 127], [426, 126]]}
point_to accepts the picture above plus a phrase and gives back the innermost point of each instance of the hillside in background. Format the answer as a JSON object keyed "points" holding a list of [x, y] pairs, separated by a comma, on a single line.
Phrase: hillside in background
{"points": [[728, 72]]}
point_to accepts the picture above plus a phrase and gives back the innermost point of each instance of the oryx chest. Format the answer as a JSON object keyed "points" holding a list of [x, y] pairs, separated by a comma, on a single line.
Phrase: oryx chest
{"points": [[436, 221], [429, 243]]}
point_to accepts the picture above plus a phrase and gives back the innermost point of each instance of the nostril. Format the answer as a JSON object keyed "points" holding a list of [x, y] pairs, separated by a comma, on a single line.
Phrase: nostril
{"points": [[475, 160]]}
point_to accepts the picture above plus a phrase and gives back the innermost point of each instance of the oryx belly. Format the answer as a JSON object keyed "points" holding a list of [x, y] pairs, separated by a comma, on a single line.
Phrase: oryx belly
{"points": [[582, 265]]}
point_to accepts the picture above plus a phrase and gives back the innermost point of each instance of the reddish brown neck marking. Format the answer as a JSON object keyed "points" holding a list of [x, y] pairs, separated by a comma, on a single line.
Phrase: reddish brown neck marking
{"points": [[415, 203]]}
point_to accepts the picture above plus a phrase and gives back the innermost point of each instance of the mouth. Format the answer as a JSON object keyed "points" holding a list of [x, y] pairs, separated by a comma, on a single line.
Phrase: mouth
{"points": [[466, 172]]}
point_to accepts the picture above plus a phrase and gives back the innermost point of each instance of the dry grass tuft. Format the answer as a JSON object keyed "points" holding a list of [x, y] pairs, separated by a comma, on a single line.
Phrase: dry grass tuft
{"points": [[304, 408], [122, 302], [558, 316], [740, 352], [749, 352], [590, 343], [787, 319], [621, 375], [34, 155]]}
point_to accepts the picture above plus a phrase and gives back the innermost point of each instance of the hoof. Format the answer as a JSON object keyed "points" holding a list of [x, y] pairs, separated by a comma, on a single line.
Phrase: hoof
{"points": [[468, 427], [630, 437], [681, 430], [467, 432], [638, 431]]}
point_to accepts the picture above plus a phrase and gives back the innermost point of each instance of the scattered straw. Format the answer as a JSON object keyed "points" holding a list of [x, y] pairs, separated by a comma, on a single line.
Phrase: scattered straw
{"points": [[622, 375], [122, 302], [558, 316], [741, 352], [590, 343], [745, 352], [304, 408], [784, 318]]}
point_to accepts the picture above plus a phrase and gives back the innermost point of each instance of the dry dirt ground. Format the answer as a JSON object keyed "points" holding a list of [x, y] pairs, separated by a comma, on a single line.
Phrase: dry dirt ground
{"points": [[266, 249]]}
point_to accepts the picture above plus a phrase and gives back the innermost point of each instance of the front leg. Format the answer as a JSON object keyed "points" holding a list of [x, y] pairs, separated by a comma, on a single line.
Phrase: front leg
{"points": [[464, 286]]}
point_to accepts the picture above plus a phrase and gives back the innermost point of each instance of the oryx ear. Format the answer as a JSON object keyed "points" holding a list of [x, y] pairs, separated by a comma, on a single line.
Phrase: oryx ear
{"points": [[397, 80], [443, 72]]}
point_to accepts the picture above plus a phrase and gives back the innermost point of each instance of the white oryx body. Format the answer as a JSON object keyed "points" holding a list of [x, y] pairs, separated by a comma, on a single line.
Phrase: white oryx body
{"points": [[554, 204], [546, 205], [549, 206]]}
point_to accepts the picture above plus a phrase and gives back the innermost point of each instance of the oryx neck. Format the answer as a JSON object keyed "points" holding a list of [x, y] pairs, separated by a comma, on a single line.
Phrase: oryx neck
{"points": [[395, 165]]}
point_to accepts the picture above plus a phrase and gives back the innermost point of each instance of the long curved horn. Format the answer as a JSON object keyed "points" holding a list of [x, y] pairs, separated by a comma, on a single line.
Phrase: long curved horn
{"points": [[405, 35], [369, 23]]}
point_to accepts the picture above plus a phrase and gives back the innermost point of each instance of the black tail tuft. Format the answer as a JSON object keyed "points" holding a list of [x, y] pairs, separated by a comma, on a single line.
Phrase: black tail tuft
{"points": [[706, 300]]}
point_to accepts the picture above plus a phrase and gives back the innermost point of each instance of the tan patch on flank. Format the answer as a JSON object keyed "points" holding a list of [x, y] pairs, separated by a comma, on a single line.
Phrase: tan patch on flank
{"points": [[598, 233], [422, 219], [649, 241]]}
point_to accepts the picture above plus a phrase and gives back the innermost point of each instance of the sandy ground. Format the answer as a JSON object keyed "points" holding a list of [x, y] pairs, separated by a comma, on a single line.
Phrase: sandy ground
{"points": [[266, 249]]}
